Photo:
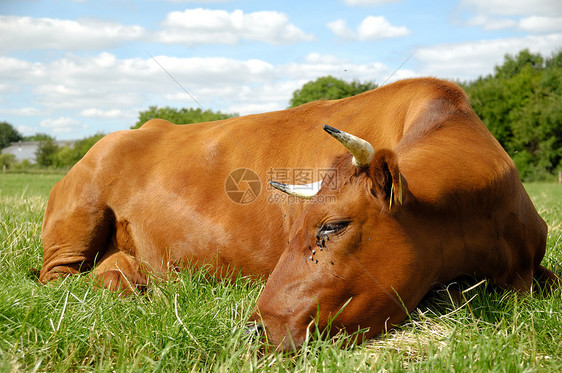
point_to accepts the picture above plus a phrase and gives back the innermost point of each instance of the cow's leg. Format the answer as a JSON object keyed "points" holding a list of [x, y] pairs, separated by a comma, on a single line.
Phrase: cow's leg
{"points": [[77, 226], [547, 280], [119, 271], [73, 238]]}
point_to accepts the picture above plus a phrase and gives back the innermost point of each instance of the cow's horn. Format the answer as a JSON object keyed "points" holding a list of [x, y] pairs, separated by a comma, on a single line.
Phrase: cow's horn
{"points": [[362, 151], [302, 191]]}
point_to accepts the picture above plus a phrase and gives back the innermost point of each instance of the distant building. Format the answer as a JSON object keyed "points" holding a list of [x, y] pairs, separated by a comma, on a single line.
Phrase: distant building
{"points": [[26, 149], [22, 150]]}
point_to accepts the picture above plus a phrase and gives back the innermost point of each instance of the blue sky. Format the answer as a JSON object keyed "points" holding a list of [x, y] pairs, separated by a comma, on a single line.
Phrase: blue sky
{"points": [[74, 68]]}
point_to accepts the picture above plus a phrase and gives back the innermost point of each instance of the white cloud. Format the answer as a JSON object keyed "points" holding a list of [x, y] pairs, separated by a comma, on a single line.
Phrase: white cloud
{"points": [[539, 16], [49, 33], [190, 27], [541, 24], [16, 72], [339, 28], [271, 89], [533, 24], [62, 124], [469, 60], [107, 88], [271, 96], [316, 65], [24, 111], [206, 26], [514, 7], [369, 2], [5, 87], [98, 113], [317, 58], [198, 71], [371, 28], [26, 130], [489, 23]]}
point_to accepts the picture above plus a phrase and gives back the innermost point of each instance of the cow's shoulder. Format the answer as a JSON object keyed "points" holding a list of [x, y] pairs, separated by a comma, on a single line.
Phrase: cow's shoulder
{"points": [[116, 149], [156, 123], [429, 88]]}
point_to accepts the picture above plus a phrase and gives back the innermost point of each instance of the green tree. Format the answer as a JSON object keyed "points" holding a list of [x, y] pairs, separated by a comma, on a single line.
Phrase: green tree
{"points": [[46, 150], [68, 155], [521, 104], [8, 135], [81, 147], [64, 157], [180, 116], [514, 65], [328, 88], [39, 136], [23, 165], [7, 160]]}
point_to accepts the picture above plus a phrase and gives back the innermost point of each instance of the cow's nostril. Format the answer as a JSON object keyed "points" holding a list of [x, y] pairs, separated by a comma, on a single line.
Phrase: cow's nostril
{"points": [[255, 330]]}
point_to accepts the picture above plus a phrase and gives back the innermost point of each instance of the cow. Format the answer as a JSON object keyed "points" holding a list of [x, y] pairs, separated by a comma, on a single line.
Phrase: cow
{"points": [[406, 189]]}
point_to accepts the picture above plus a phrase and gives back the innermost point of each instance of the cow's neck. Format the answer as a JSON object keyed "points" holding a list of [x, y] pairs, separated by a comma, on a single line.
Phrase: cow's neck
{"points": [[466, 233]]}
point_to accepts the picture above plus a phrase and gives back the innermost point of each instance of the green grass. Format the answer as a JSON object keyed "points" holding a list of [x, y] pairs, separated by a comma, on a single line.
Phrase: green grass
{"points": [[28, 184], [196, 323]]}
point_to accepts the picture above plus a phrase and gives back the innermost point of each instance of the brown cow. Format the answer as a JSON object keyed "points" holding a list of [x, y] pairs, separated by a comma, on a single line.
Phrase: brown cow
{"points": [[426, 195]]}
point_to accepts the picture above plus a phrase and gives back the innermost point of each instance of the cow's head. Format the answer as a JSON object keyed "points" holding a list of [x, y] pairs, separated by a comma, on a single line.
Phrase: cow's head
{"points": [[350, 257]]}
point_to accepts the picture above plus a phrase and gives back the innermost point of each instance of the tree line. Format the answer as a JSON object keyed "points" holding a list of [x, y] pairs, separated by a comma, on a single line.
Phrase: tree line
{"points": [[520, 102]]}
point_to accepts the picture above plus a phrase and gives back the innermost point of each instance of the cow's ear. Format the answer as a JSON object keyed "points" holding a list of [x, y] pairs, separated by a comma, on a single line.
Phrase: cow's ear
{"points": [[389, 185]]}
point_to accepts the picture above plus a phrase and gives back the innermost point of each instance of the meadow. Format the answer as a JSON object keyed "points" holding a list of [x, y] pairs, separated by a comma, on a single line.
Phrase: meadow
{"points": [[197, 323]]}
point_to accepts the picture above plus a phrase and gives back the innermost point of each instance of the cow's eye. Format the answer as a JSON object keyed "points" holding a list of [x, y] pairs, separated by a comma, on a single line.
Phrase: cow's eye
{"points": [[333, 227]]}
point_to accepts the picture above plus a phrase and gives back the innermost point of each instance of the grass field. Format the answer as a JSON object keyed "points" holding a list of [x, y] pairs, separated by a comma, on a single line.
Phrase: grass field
{"points": [[196, 323]]}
